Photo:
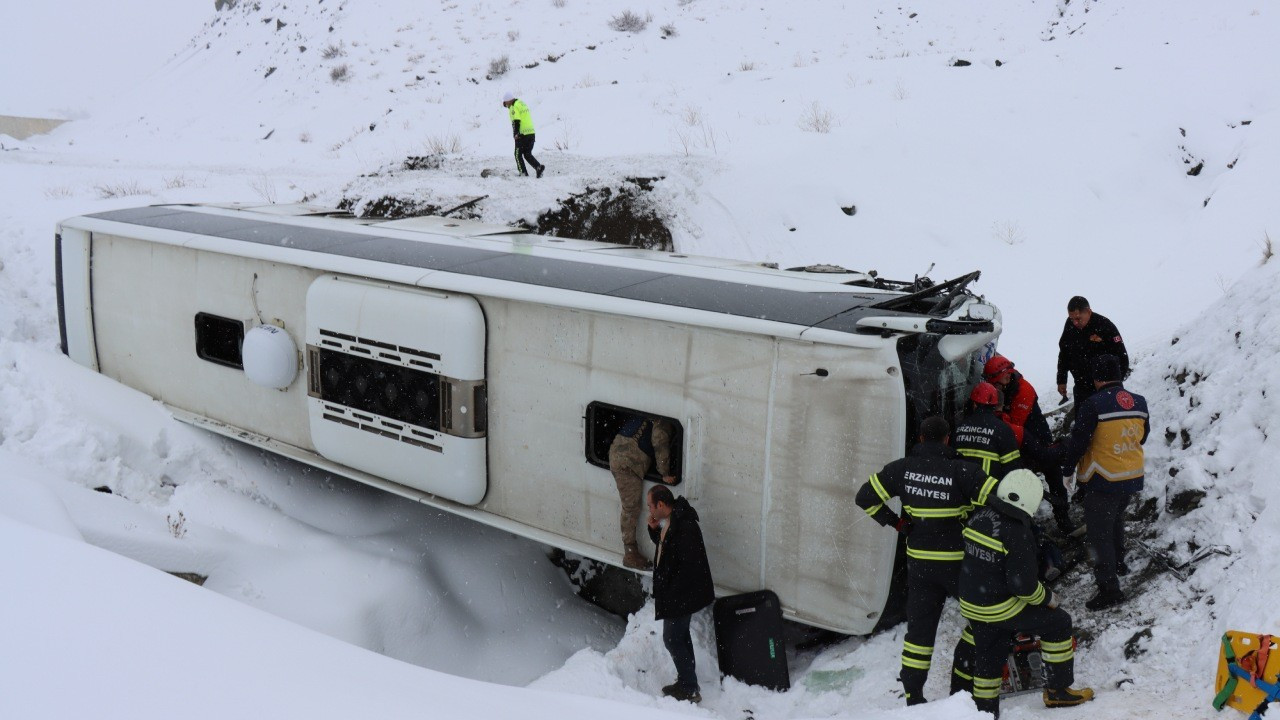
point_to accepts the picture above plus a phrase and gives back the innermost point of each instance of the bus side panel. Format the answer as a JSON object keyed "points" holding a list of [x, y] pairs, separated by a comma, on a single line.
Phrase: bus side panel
{"points": [[537, 372], [728, 384], [824, 554], [547, 364], [146, 298], [75, 293]]}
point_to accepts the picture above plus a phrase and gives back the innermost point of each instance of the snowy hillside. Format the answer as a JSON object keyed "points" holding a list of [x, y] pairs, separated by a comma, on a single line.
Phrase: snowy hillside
{"points": [[1122, 150]]}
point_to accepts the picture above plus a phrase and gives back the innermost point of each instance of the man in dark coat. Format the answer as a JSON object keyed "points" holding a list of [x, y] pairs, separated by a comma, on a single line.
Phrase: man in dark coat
{"points": [[937, 490], [1085, 336], [1105, 454], [681, 583]]}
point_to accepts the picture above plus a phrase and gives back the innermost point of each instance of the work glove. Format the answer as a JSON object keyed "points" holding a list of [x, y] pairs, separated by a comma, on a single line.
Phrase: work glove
{"points": [[903, 526], [1053, 601]]}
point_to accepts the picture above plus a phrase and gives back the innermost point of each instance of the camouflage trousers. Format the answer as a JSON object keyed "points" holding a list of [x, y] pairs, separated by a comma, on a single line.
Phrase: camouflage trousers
{"points": [[629, 463]]}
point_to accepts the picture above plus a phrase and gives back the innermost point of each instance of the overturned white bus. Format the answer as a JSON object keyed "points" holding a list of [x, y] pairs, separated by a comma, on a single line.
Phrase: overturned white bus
{"points": [[484, 370]]}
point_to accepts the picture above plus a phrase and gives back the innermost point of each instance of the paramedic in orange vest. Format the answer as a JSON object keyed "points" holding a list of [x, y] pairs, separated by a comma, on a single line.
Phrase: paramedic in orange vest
{"points": [[1105, 454]]}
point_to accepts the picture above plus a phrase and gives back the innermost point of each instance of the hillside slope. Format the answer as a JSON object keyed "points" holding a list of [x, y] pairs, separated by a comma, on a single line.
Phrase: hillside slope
{"points": [[1048, 143]]}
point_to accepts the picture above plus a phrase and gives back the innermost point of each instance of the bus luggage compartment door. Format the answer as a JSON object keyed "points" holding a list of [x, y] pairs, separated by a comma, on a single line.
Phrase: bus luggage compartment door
{"points": [[395, 384]]}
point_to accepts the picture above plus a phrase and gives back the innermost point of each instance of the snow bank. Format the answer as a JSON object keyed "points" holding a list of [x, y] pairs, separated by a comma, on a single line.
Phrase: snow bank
{"points": [[91, 634]]}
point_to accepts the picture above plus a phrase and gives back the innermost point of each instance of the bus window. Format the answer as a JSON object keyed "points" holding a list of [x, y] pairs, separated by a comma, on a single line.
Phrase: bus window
{"points": [[934, 386], [219, 339], [603, 422]]}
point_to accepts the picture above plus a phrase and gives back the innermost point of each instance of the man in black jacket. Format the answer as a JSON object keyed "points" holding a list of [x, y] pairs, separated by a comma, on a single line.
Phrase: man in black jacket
{"points": [[1085, 336], [937, 489], [681, 583], [1001, 594]]}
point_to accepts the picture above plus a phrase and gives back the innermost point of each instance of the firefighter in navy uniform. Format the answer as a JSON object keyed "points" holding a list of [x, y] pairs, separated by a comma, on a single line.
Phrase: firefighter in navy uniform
{"points": [[937, 490], [1105, 454], [1001, 594], [984, 438], [1085, 336]]}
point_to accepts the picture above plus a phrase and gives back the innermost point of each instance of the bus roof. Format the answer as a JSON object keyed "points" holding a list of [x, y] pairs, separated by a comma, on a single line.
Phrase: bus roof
{"points": [[503, 253]]}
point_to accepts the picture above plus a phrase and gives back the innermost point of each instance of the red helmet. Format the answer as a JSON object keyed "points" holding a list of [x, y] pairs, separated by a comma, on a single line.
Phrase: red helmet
{"points": [[996, 366], [984, 393]]}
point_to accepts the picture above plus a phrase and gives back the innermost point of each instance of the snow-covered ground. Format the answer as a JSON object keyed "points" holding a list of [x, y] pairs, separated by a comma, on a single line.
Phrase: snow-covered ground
{"points": [[1056, 161]]}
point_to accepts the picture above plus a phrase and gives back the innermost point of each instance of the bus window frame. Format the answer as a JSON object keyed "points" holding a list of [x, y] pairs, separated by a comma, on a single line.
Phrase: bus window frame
{"points": [[601, 422]]}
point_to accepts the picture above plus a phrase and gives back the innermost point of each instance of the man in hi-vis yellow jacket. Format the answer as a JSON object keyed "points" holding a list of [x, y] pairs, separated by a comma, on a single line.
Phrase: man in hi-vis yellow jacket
{"points": [[522, 131]]}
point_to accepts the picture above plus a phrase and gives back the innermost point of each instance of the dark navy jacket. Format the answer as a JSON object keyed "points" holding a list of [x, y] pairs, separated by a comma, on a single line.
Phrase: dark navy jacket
{"points": [[1105, 447]]}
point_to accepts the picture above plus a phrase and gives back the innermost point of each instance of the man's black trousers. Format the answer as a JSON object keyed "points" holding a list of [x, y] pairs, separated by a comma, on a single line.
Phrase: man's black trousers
{"points": [[1104, 516], [929, 584], [524, 151], [992, 641], [679, 643]]}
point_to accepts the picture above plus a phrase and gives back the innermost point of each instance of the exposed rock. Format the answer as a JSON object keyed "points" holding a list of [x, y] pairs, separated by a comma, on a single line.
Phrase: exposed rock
{"points": [[618, 215]]}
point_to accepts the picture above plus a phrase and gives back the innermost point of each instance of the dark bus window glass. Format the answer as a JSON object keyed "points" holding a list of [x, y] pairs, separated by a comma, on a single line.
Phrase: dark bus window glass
{"points": [[219, 339], [602, 423], [934, 386], [393, 391]]}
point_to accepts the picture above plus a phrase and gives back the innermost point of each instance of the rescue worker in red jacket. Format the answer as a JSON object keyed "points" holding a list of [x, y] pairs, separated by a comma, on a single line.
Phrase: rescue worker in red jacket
{"points": [[1021, 412]]}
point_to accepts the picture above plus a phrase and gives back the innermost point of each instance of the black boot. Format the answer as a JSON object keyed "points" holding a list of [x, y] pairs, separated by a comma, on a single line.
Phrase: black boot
{"points": [[676, 692], [1105, 599], [1062, 514]]}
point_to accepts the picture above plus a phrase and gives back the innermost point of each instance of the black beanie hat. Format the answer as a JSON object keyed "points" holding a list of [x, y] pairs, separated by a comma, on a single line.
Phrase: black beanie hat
{"points": [[1106, 368]]}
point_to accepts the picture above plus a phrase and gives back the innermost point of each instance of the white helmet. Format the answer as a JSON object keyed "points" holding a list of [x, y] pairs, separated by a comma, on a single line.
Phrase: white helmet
{"points": [[1021, 489], [508, 96]]}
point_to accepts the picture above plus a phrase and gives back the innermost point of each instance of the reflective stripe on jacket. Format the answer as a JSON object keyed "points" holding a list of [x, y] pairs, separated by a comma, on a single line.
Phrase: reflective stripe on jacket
{"points": [[985, 439], [937, 490], [1000, 575], [1106, 442]]}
